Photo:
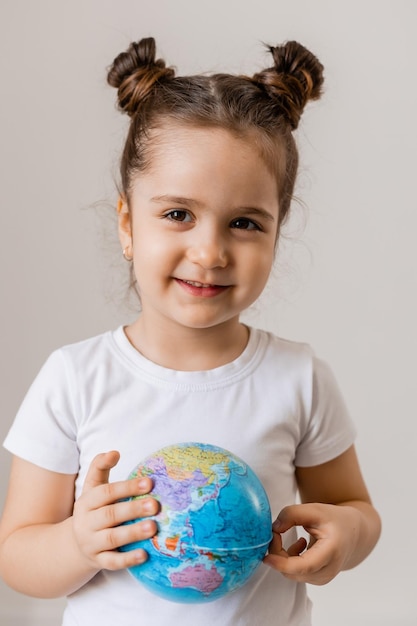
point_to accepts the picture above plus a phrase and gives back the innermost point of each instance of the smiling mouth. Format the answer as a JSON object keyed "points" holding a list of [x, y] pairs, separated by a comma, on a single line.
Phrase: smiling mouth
{"points": [[201, 285], [196, 288]]}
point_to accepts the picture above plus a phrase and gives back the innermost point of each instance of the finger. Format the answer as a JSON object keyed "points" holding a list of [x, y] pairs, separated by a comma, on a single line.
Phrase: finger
{"points": [[110, 539], [121, 512], [307, 515], [110, 493], [114, 560], [99, 470], [303, 567], [108, 555], [276, 547], [298, 547], [295, 549]]}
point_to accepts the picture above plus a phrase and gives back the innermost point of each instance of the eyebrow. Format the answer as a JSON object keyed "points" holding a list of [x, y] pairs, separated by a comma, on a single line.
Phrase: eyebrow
{"points": [[175, 200], [248, 210]]}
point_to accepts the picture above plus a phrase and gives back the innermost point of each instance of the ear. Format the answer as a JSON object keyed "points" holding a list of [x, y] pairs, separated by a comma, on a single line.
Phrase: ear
{"points": [[124, 222]]}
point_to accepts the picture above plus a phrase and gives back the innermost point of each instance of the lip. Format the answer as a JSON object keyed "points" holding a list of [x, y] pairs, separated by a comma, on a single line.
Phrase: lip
{"points": [[201, 290]]}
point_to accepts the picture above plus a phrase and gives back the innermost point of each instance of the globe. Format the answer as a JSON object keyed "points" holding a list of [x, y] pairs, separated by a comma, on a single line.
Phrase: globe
{"points": [[214, 523]]}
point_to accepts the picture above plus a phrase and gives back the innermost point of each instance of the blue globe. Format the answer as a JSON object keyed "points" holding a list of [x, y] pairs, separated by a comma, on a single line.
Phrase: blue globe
{"points": [[214, 524]]}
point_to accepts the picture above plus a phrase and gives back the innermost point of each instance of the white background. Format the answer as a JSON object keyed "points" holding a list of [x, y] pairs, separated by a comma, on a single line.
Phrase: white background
{"points": [[346, 277]]}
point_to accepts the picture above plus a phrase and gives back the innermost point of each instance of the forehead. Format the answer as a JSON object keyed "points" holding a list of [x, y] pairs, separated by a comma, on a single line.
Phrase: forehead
{"points": [[206, 161], [172, 138]]}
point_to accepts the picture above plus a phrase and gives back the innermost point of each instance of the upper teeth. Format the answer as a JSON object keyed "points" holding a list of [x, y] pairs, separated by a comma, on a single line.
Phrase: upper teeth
{"points": [[195, 284]]}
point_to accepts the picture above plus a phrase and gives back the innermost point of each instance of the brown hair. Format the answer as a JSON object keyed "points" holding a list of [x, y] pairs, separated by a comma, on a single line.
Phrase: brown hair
{"points": [[265, 107]]}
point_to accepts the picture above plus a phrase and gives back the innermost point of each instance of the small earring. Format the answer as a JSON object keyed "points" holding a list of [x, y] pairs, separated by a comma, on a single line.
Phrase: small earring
{"points": [[128, 257]]}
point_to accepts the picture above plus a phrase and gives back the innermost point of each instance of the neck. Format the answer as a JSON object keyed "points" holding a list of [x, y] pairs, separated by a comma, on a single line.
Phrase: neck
{"points": [[188, 349]]}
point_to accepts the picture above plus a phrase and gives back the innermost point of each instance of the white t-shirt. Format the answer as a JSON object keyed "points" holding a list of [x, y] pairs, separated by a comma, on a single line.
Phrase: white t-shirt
{"points": [[276, 406]]}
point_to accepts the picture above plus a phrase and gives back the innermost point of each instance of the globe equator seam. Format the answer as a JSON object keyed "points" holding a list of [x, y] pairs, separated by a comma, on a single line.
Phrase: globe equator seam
{"points": [[237, 549]]}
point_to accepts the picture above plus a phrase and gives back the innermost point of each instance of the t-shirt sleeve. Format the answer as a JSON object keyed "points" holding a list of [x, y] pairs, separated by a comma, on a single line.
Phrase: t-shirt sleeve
{"points": [[329, 430], [44, 430]]}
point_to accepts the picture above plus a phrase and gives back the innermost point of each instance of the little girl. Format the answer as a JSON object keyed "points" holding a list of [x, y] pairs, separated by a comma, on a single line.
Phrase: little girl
{"points": [[207, 176]]}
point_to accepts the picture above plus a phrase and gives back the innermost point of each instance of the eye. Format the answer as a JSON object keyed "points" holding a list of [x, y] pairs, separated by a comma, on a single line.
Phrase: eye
{"points": [[244, 223], [178, 215]]}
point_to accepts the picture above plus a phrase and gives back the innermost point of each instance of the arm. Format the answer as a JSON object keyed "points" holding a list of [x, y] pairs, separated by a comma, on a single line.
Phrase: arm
{"points": [[339, 517], [49, 546]]}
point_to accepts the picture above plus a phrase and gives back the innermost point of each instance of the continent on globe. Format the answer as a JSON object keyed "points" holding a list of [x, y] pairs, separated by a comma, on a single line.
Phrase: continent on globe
{"points": [[214, 524], [197, 577]]}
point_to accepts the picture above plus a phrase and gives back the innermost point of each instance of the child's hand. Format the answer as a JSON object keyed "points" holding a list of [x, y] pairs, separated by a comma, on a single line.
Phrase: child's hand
{"points": [[98, 514], [333, 537]]}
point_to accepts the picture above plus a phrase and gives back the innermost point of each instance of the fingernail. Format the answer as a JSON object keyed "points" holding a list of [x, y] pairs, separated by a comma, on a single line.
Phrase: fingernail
{"points": [[276, 525], [148, 506], [141, 556], [142, 483]]}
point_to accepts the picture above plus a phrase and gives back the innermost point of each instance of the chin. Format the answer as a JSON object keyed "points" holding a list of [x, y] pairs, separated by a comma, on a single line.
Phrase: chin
{"points": [[198, 323]]}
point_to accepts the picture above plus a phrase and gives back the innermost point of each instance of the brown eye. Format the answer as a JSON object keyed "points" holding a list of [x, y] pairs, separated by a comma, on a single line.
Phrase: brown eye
{"points": [[178, 215], [244, 223]]}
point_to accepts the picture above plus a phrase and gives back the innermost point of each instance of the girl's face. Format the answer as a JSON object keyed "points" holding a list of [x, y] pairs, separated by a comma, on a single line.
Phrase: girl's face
{"points": [[202, 223]]}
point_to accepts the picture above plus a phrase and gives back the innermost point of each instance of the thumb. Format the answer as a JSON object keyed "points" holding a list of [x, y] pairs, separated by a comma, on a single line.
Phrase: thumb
{"points": [[99, 470], [276, 547]]}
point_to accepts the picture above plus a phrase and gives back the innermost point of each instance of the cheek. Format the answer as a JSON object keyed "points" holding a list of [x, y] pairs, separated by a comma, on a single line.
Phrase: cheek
{"points": [[258, 266], [265, 256], [148, 245], [152, 256]]}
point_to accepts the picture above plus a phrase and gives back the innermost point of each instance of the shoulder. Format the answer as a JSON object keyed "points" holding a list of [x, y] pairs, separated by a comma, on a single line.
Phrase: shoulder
{"points": [[296, 365], [87, 347], [284, 354], [87, 355], [287, 347], [293, 355], [65, 367]]}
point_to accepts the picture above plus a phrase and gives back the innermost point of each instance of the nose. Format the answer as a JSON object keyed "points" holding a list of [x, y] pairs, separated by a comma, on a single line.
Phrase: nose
{"points": [[208, 250]]}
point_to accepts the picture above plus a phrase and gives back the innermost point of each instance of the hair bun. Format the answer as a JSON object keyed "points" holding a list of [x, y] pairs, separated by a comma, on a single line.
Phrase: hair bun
{"points": [[135, 72], [296, 78]]}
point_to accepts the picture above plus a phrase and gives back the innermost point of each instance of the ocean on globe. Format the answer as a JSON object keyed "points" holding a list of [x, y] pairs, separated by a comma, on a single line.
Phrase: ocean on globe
{"points": [[214, 524]]}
